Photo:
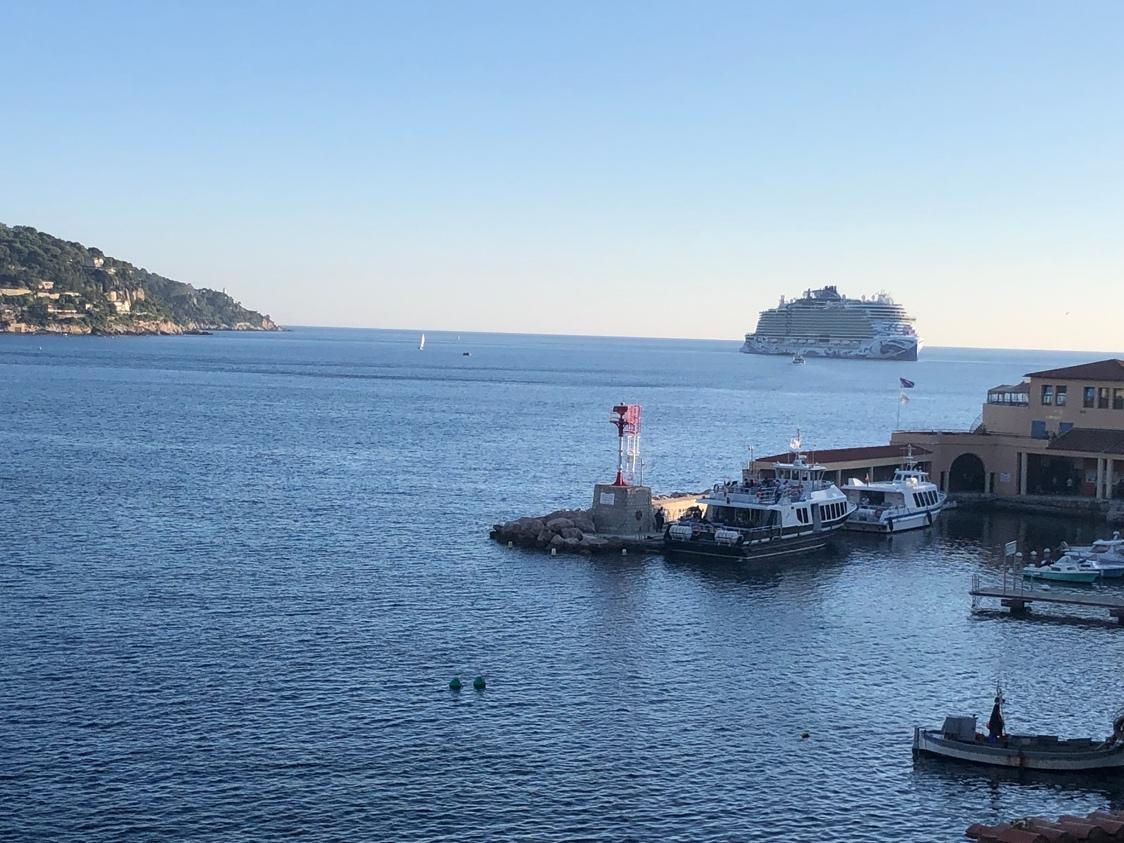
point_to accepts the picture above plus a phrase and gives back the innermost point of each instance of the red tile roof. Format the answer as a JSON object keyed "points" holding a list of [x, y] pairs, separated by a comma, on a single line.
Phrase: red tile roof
{"points": [[870, 452], [1102, 370], [1091, 440]]}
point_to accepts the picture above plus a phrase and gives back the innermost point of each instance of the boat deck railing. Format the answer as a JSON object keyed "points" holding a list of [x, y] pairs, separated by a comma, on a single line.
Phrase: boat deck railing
{"points": [[765, 493], [699, 526]]}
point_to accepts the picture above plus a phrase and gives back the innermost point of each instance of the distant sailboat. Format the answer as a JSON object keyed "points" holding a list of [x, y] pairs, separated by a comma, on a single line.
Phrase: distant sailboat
{"points": [[421, 343]]}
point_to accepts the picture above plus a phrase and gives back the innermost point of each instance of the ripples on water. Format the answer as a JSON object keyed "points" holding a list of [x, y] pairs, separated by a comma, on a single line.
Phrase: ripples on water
{"points": [[239, 571]]}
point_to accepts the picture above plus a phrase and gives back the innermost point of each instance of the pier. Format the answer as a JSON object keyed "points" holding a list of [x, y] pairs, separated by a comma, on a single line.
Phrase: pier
{"points": [[1016, 596]]}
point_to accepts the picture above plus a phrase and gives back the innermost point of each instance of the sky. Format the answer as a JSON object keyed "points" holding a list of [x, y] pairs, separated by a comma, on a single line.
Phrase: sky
{"points": [[647, 169]]}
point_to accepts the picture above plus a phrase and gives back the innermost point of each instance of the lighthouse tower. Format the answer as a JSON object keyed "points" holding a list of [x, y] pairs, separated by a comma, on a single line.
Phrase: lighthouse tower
{"points": [[624, 507]]}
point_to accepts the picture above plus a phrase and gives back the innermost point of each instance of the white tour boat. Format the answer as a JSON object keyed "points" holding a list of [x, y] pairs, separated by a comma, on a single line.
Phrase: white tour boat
{"points": [[795, 511], [907, 502]]}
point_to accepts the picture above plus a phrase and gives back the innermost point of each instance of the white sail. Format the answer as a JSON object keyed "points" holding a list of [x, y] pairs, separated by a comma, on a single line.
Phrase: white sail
{"points": [[421, 342]]}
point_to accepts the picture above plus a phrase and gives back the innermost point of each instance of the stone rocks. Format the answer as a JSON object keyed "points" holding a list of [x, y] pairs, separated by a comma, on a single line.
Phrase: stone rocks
{"points": [[564, 529]]}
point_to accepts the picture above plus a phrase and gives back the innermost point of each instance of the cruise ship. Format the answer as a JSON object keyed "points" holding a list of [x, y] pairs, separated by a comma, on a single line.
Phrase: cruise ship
{"points": [[825, 324]]}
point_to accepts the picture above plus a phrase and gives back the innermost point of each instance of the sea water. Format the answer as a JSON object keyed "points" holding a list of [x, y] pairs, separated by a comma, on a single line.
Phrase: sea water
{"points": [[238, 572]]}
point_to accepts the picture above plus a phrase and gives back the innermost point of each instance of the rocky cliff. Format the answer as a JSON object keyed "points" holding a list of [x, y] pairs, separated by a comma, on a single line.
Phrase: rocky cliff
{"points": [[48, 285]]}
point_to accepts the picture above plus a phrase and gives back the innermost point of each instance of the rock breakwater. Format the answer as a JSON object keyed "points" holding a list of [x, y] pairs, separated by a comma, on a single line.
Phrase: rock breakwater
{"points": [[567, 531]]}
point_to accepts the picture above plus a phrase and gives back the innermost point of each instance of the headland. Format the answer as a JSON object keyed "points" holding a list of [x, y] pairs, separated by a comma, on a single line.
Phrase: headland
{"points": [[54, 286]]}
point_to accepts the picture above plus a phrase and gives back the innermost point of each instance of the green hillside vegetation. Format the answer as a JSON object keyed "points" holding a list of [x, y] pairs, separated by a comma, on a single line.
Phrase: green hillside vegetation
{"points": [[81, 289]]}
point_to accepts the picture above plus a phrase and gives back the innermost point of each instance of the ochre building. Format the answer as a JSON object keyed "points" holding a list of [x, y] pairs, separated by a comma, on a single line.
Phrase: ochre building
{"points": [[1058, 433]]}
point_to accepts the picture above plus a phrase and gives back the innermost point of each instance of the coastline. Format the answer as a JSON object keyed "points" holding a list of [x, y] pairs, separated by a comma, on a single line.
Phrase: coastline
{"points": [[143, 328]]}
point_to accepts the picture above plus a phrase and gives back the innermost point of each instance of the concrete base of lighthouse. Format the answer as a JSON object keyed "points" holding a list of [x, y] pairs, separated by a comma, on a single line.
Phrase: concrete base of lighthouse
{"points": [[622, 510]]}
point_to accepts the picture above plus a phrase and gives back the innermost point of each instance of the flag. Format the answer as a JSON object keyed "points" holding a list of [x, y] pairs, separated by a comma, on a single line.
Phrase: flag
{"points": [[906, 383], [903, 398]]}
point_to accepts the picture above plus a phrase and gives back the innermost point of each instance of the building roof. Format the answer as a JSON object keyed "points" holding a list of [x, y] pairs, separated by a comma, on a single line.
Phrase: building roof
{"points": [[1092, 440], [1017, 388], [1102, 370], [870, 452]]}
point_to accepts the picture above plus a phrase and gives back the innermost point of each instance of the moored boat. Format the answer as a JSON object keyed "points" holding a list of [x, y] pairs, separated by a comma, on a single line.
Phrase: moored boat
{"points": [[795, 511], [1066, 569], [958, 739], [907, 502], [1106, 555]]}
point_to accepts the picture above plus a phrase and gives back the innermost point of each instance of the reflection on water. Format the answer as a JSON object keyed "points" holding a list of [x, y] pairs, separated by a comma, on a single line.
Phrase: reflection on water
{"points": [[238, 575]]}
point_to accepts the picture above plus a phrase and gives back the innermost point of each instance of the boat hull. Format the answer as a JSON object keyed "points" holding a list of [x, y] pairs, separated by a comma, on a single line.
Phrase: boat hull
{"points": [[895, 347], [1062, 576], [900, 524], [1064, 758], [765, 550]]}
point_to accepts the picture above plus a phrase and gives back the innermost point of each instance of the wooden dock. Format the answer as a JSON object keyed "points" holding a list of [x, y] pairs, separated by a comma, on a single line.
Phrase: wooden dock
{"points": [[1017, 597]]}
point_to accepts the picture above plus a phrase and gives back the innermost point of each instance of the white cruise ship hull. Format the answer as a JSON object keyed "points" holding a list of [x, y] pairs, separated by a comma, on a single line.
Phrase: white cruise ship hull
{"points": [[886, 347]]}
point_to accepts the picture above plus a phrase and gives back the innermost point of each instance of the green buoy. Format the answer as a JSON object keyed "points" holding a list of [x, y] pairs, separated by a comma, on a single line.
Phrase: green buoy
{"points": [[479, 684], [455, 684]]}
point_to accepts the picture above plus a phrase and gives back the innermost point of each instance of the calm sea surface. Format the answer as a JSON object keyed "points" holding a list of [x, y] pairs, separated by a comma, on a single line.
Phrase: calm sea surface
{"points": [[237, 573]]}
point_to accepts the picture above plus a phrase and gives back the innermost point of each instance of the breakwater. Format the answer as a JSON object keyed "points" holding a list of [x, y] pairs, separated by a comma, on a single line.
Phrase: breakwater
{"points": [[570, 531]]}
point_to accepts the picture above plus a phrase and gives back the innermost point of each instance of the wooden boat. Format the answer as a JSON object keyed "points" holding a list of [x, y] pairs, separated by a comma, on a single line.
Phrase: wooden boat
{"points": [[958, 739]]}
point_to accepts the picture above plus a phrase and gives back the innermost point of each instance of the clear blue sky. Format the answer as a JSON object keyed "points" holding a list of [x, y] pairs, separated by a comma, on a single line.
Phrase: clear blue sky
{"points": [[629, 168]]}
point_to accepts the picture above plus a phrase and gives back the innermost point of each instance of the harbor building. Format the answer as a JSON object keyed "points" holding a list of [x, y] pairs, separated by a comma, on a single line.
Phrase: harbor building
{"points": [[1057, 434], [870, 463]]}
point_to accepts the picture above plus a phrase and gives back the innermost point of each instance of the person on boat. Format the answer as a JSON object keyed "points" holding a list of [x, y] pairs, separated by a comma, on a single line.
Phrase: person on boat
{"points": [[995, 722], [659, 518]]}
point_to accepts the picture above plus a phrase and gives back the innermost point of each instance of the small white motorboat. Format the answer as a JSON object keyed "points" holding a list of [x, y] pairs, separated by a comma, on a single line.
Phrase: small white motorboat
{"points": [[1106, 555], [1066, 569], [798, 358], [907, 502]]}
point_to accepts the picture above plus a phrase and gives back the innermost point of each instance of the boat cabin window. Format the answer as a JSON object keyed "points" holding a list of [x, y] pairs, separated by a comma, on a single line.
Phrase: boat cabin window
{"points": [[746, 519], [802, 515], [832, 511]]}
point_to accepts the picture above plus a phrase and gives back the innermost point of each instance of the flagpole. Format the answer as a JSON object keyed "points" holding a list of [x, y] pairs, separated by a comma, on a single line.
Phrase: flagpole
{"points": [[898, 423]]}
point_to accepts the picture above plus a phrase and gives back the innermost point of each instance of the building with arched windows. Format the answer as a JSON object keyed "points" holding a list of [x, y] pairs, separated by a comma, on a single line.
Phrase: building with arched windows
{"points": [[1058, 433]]}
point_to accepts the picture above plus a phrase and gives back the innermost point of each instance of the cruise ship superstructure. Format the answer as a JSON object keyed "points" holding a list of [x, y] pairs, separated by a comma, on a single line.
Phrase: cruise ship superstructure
{"points": [[823, 323]]}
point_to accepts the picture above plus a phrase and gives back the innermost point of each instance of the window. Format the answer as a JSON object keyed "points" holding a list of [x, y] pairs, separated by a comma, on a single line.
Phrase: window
{"points": [[1090, 396], [1102, 398], [1038, 430], [1118, 399], [1059, 396], [1047, 394]]}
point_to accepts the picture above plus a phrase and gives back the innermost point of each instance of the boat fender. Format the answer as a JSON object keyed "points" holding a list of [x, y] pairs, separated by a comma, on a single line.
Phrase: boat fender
{"points": [[890, 524], [929, 518]]}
